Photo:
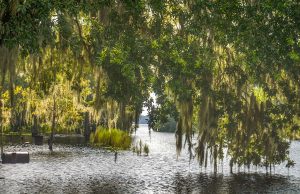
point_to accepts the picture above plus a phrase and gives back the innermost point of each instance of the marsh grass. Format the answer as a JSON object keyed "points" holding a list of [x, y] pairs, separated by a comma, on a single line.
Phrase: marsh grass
{"points": [[141, 147], [111, 138]]}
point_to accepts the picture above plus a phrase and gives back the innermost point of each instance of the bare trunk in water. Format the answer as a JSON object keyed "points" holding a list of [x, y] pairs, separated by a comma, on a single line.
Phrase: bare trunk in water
{"points": [[87, 130], [35, 126], [1, 134], [51, 138], [1, 141], [1, 115]]}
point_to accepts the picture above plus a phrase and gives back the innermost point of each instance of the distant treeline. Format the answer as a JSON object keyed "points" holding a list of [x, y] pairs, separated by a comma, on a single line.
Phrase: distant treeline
{"points": [[169, 126]]}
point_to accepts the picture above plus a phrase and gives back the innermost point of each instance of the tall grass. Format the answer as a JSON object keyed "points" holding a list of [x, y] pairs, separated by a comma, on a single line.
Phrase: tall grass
{"points": [[113, 138], [140, 147]]}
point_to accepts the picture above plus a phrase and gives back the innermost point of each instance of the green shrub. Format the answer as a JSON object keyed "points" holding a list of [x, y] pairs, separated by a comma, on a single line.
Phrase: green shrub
{"points": [[114, 138]]}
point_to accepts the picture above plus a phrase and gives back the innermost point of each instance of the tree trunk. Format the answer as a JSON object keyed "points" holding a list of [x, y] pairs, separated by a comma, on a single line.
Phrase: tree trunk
{"points": [[35, 126], [122, 117], [51, 138], [1, 126], [1, 113], [136, 119], [86, 126]]}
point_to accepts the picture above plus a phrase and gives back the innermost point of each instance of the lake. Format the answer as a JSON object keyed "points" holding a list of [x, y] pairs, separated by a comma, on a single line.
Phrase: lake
{"points": [[82, 169]]}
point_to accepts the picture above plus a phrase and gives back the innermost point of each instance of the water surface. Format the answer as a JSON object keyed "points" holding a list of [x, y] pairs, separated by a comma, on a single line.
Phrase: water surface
{"points": [[81, 169]]}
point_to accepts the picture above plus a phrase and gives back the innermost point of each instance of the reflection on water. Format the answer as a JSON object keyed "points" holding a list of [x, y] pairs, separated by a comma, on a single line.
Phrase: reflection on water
{"points": [[59, 139], [238, 183], [81, 169]]}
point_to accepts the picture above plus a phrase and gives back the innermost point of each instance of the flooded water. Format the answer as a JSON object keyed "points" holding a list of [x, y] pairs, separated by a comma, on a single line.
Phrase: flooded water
{"points": [[81, 169]]}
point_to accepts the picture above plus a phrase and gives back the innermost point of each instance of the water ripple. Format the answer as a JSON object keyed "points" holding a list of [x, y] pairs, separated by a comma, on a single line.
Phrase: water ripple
{"points": [[78, 169]]}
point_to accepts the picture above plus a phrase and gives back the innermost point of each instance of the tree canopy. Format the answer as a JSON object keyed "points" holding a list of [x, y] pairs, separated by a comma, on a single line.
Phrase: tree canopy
{"points": [[227, 70]]}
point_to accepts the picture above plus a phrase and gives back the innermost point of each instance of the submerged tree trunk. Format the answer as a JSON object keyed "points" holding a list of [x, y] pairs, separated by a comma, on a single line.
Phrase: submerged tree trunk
{"points": [[1, 109], [87, 130], [35, 126], [1, 142], [4, 60], [51, 138], [1, 124]]}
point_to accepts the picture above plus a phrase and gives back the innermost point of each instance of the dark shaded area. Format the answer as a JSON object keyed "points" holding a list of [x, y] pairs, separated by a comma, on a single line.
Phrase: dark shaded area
{"points": [[40, 140], [15, 157], [236, 183]]}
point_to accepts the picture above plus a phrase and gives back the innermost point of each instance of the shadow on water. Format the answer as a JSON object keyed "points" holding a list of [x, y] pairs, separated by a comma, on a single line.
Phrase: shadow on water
{"points": [[235, 183], [53, 154], [101, 185]]}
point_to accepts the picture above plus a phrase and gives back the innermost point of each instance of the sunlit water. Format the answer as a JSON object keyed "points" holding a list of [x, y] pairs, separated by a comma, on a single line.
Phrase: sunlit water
{"points": [[81, 169]]}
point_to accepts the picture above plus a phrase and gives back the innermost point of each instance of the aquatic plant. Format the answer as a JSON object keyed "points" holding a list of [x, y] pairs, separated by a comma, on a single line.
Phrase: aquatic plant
{"points": [[140, 147], [114, 138]]}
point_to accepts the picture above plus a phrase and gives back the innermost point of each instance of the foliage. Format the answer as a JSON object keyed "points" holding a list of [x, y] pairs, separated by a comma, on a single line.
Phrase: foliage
{"points": [[230, 70], [169, 126]]}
